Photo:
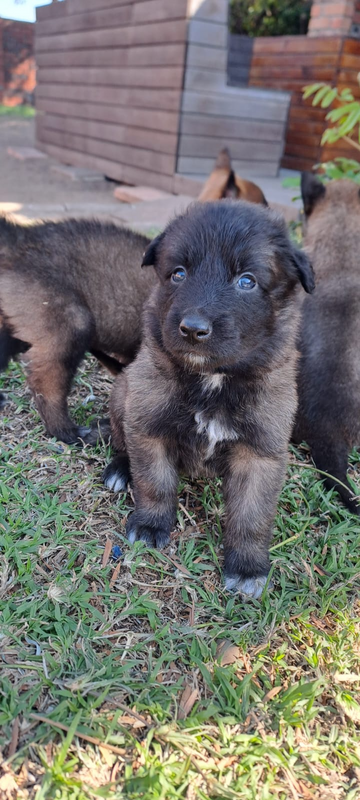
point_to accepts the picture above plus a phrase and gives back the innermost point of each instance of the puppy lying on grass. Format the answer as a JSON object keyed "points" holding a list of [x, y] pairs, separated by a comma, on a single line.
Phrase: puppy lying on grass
{"points": [[328, 417], [65, 288], [212, 390]]}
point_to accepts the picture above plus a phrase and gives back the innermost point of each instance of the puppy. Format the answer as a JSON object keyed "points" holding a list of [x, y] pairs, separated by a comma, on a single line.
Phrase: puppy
{"points": [[328, 417], [224, 183], [213, 388], [67, 287]]}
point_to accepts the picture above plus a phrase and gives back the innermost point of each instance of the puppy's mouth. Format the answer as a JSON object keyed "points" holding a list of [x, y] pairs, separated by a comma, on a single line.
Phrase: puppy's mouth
{"points": [[196, 362]]}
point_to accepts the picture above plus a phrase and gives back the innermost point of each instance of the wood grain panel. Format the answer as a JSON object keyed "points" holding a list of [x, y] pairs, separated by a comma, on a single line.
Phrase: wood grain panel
{"points": [[165, 121], [112, 169], [158, 141], [167, 99]]}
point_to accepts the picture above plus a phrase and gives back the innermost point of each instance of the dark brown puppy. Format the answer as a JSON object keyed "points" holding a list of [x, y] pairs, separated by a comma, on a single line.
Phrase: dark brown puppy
{"points": [[223, 183], [65, 288], [212, 390], [328, 416]]}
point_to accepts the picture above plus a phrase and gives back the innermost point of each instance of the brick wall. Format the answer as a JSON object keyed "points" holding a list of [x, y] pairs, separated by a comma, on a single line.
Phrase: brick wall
{"points": [[332, 17], [17, 63]]}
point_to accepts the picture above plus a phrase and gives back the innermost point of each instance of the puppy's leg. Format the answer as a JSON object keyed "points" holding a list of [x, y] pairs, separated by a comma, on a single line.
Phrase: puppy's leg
{"points": [[52, 361], [9, 347], [332, 457], [116, 475], [251, 486], [155, 481]]}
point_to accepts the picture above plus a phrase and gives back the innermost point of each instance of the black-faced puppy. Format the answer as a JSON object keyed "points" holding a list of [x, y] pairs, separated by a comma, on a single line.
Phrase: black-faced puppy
{"points": [[212, 390], [328, 417], [67, 287]]}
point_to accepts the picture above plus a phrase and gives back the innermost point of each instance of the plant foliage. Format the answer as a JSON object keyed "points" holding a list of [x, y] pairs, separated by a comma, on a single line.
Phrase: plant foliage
{"points": [[269, 17]]}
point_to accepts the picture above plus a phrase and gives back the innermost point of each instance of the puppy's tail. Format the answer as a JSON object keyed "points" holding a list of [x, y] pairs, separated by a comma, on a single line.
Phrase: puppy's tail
{"points": [[112, 364]]}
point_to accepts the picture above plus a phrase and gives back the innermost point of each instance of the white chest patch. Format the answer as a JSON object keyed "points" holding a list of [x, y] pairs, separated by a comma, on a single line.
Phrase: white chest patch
{"points": [[215, 431], [213, 383]]}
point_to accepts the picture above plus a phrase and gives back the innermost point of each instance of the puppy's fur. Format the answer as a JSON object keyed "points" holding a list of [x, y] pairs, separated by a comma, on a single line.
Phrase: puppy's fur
{"points": [[328, 416], [212, 390], [67, 287], [223, 183]]}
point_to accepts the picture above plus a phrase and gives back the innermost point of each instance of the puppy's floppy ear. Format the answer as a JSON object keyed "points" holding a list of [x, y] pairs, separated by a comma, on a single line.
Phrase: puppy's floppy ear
{"points": [[151, 253], [312, 189], [304, 269]]}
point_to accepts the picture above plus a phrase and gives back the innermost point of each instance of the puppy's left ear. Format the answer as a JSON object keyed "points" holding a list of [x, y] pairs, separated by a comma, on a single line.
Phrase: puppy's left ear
{"points": [[304, 269], [151, 254]]}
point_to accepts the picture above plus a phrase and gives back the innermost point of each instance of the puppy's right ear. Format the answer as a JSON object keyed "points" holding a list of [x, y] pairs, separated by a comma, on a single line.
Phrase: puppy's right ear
{"points": [[151, 253], [312, 189]]}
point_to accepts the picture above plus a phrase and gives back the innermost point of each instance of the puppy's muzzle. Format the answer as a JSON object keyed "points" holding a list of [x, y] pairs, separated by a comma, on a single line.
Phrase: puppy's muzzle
{"points": [[195, 328]]}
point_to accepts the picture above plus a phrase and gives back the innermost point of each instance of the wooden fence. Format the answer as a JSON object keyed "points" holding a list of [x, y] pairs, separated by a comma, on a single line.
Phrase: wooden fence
{"points": [[137, 89], [110, 76], [292, 62]]}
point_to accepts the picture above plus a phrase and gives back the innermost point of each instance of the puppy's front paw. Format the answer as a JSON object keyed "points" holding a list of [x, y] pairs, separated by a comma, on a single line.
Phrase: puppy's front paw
{"points": [[116, 476], [139, 530], [247, 587]]}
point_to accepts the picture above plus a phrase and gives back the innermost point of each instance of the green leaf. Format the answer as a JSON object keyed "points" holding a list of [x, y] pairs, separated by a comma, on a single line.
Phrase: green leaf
{"points": [[309, 90], [322, 93], [329, 98]]}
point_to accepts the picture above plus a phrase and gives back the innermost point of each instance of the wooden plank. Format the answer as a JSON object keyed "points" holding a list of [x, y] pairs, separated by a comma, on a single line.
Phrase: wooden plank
{"points": [[167, 99], [311, 60], [101, 18], [199, 55], [204, 125], [208, 33], [294, 137], [120, 134], [112, 169], [123, 154], [166, 121], [203, 166], [152, 55], [156, 10], [276, 75], [209, 147], [242, 106], [351, 46], [350, 61], [171, 55], [297, 44], [156, 33], [79, 6], [53, 11], [210, 80], [156, 77], [305, 126], [294, 162]]}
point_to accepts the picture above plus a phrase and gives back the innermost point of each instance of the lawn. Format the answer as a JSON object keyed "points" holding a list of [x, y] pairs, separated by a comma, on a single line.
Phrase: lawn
{"points": [[135, 675], [17, 111]]}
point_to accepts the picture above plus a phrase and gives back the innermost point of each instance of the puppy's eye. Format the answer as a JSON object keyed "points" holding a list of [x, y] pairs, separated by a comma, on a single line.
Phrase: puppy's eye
{"points": [[178, 275], [247, 281]]}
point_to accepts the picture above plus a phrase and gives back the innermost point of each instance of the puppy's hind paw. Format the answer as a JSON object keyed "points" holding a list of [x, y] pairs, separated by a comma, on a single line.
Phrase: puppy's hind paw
{"points": [[152, 535], [116, 476], [248, 588]]}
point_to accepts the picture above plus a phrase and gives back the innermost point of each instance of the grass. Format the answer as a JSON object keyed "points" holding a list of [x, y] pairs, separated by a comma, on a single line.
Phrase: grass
{"points": [[17, 111], [142, 678]]}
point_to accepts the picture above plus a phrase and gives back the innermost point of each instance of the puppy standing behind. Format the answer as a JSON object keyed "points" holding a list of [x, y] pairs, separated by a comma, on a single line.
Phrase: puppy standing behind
{"points": [[328, 417], [212, 390], [67, 287]]}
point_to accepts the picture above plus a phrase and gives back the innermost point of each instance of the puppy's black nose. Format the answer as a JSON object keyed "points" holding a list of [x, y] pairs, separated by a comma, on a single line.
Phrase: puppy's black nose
{"points": [[195, 328]]}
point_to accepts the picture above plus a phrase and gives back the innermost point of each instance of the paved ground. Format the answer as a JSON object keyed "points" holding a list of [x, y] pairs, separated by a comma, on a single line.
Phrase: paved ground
{"points": [[33, 189]]}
